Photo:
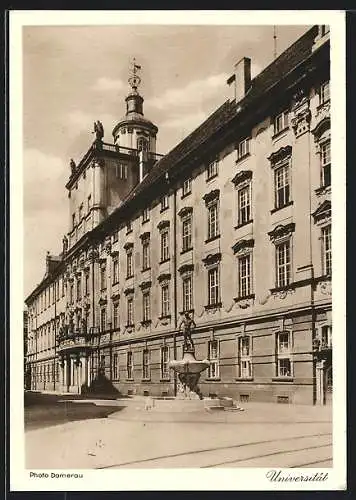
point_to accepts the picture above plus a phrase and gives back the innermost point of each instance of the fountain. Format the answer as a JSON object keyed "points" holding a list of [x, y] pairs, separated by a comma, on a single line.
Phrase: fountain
{"points": [[188, 368]]}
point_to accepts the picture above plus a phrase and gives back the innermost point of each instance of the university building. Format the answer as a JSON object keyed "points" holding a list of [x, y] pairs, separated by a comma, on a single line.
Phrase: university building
{"points": [[233, 226]]}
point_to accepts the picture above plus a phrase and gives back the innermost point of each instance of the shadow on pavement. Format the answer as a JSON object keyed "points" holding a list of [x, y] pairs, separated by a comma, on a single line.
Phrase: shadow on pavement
{"points": [[44, 410]]}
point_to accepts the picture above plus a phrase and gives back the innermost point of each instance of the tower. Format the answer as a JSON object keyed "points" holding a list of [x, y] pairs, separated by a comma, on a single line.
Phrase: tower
{"points": [[134, 130]]}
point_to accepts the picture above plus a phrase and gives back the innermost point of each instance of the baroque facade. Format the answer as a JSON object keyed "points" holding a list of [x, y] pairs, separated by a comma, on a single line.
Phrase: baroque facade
{"points": [[232, 226]]}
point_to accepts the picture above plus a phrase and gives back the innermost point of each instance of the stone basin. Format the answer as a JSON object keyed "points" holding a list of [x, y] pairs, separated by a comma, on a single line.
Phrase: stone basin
{"points": [[189, 364]]}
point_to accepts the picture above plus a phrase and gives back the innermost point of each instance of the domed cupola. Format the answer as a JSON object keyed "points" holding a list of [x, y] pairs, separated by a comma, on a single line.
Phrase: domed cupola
{"points": [[134, 130]]}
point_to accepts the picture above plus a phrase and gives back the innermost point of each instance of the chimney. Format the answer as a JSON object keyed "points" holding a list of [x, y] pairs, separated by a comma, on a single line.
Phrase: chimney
{"points": [[240, 81]]}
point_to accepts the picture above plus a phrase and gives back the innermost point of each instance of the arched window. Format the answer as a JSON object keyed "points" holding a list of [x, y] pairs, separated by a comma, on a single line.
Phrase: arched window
{"points": [[142, 144]]}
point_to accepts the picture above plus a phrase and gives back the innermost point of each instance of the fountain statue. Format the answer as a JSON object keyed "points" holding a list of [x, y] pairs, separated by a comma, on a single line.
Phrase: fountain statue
{"points": [[188, 368]]}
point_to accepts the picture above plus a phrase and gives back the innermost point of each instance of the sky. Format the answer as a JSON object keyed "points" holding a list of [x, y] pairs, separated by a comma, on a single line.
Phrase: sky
{"points": [[74, 75]]}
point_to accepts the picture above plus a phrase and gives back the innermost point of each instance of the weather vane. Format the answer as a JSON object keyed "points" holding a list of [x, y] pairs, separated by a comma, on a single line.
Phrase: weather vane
{"points": [[134, 80]]}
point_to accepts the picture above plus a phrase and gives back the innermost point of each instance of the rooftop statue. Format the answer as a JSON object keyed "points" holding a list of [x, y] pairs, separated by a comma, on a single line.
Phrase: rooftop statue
{"points": [[65, 244], [98, 130], [72, 165]]}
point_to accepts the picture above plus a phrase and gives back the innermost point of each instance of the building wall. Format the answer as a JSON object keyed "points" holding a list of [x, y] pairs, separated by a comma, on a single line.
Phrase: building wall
{"points": [[301, 309]]}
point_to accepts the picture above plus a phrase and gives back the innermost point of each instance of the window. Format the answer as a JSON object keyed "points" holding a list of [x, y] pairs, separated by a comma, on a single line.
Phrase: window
{"points": [[146, 306], [284, 362], [71, 293], [146, 364], [86, 278], [213, 286], [280, 122], [89, 203], [243, 149], [73, 221], [282, 187], [103, 319], [187, 187], [121, 171], [244, 205], [283, 264], [325, 161], [115, 318], [326, 337], [129, 264], [145, 215], [187, 285], [212, 170], [129, 365], [326, 250], [145, 254], [79, 288], [165, 300], [115, 236], [164, 202], [63, 287], [187, 233], [244, 269], [128, 227], [213, 221], [164, 246], [103, 278], [213, 357], [324, 93], [130, 318], [142, 144], [244, 357], [115, 270], [115, 366], [165, 362]]}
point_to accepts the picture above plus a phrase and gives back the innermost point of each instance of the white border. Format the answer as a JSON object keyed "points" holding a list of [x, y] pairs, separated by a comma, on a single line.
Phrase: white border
{"points": [[170, 479]]}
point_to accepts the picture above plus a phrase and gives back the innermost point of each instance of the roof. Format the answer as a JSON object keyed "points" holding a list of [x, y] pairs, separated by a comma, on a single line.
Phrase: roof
{"points": [[269, 78], [264, 81]]}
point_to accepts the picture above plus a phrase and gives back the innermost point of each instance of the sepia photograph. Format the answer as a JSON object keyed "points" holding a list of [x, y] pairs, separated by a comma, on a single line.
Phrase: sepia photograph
{"points": [[177, 308]]}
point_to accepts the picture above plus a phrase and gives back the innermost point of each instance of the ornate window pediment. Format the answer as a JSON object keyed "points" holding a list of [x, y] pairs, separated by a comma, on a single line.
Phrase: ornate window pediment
{"points": [[243, 176], [164, 277], [128, 245], [211, 196], [185, 211], [242, 245], [129, 291], [321, 127], [323, 212], [145, 284], [281, 155], [164, 223], [212, 259], [186, 268], [282, 231], [145, 236], [115, 296]]}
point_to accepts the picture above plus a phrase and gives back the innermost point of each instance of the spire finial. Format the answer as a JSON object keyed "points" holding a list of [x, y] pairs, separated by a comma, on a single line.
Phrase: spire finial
{"points": [[134, 80]]}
